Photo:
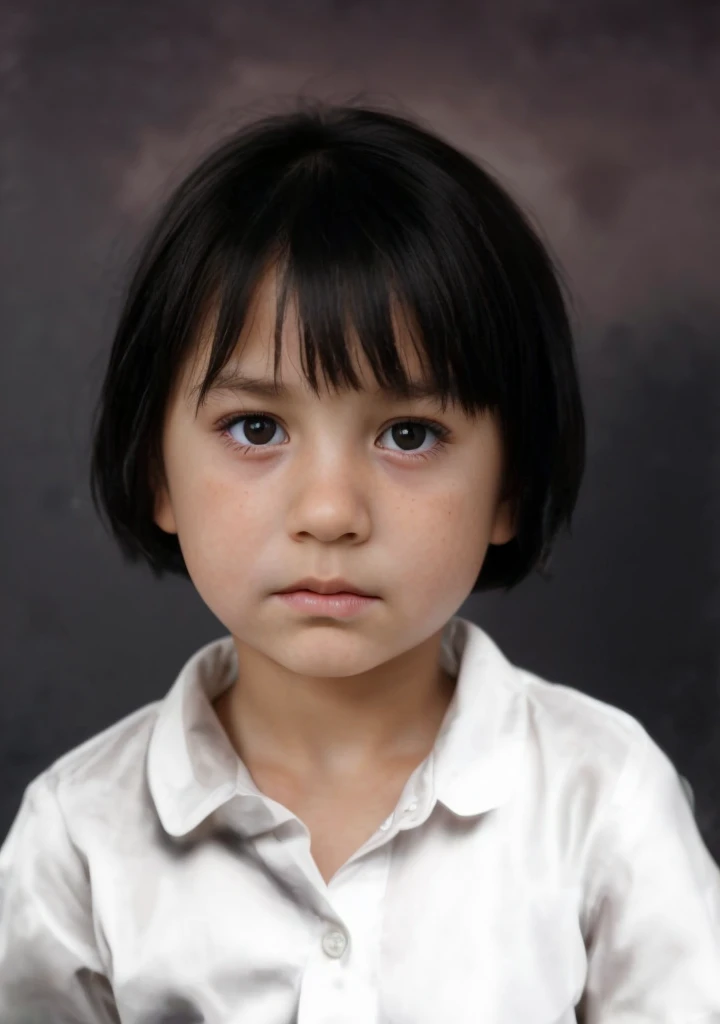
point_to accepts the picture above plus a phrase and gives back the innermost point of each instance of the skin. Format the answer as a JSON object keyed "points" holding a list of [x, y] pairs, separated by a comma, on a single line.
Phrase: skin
{"points": [[329, 490]]}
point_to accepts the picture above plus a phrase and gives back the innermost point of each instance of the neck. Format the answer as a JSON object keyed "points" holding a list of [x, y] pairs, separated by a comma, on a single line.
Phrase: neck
{"points": [[336, 728]]}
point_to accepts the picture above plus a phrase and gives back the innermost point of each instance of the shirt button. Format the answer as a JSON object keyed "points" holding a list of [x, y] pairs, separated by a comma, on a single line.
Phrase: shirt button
{"points": [[386, 824], [334, 943], [411, 807]]}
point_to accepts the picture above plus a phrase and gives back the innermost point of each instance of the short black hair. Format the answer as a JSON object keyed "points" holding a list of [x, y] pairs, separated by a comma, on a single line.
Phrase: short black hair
{"points": [[357, 207]]}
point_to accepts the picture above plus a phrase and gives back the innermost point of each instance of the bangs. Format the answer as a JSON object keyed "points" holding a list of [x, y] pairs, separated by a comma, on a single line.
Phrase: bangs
{"points": [[358, 264]]}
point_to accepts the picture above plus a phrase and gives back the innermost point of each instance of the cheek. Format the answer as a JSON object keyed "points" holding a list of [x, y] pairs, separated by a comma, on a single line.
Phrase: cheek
{"points": [[451, 531], [221, 526]]}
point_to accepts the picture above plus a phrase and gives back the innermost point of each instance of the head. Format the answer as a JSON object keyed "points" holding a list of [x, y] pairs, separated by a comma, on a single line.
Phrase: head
{"points": [[354, 242]]}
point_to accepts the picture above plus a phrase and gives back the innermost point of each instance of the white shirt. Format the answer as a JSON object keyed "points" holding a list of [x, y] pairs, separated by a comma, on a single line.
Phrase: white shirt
{"points": [[543, 853]]}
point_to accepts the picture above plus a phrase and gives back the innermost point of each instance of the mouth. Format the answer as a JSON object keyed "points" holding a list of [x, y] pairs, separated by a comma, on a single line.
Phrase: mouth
{"points": [[326, 588], [337, 605]]}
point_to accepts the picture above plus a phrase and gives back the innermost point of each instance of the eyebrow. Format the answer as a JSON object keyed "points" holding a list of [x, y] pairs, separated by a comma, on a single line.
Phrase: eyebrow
{"points": [[234, 381]]}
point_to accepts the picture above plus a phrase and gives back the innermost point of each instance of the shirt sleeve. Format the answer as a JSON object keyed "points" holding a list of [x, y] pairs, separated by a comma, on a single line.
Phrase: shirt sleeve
{"points": [[653, 946], [50, 968]]}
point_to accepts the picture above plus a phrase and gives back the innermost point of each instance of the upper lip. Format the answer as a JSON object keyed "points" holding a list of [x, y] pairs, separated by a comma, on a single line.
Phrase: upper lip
{"points": [[333, 586]]}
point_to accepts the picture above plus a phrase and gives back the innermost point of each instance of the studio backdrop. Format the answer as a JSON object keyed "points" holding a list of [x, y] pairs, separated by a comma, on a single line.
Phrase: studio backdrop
{"points": [[601, 119]]}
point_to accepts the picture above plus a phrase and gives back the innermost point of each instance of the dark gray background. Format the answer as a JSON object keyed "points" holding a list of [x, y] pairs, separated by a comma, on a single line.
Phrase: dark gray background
{"points": [[602, 118]]}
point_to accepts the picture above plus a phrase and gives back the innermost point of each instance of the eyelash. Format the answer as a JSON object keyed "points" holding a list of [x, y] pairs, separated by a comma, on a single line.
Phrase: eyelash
{"points": [[245, 449]]}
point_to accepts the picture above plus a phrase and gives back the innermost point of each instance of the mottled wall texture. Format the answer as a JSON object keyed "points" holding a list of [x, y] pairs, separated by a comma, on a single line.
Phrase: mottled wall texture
{"points": [[601, 116]]}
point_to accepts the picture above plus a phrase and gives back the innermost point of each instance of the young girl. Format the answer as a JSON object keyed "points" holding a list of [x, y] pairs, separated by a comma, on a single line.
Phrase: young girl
{"points": [[351, 807]]}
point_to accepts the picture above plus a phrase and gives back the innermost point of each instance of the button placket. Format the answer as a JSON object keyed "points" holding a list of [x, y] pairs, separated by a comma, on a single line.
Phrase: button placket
{"points": [[412, 806]]}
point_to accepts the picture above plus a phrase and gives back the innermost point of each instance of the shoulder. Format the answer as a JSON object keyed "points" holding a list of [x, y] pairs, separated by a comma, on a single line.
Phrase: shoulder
{"points": [[71, 814], [596, 766], [110, 749], [575, 726], [552, 721], [103, 778], [586, 760]]}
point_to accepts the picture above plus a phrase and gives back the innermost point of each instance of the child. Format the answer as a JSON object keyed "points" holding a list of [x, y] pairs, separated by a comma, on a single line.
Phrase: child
{"points": [[351, 808]]}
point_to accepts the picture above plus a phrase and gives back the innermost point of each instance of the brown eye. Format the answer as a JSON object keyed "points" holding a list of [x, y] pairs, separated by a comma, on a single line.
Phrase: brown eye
{"points": [[409, 433], [257, 429]]}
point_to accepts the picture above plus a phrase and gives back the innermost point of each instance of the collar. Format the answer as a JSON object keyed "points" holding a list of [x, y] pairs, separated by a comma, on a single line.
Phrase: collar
{"points": [[194, 771]]}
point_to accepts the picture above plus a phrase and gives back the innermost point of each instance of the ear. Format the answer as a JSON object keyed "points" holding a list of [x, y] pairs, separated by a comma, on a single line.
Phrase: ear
{"points": [[503, 529], [163, 515]]}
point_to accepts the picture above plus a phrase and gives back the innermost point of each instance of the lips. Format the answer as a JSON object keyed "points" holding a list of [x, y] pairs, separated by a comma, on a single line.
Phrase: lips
{"points": [[326, 587]]}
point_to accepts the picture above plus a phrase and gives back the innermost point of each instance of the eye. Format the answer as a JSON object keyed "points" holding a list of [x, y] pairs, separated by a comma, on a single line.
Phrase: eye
{"points": [[257, 429]]}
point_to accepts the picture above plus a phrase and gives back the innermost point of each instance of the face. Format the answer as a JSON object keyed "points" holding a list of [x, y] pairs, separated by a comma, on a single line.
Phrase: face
{"points": [[335, 485]]}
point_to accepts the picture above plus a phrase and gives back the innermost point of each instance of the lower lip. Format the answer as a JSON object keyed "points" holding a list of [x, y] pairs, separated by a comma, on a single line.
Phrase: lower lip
{"points": [[339, 606]]}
